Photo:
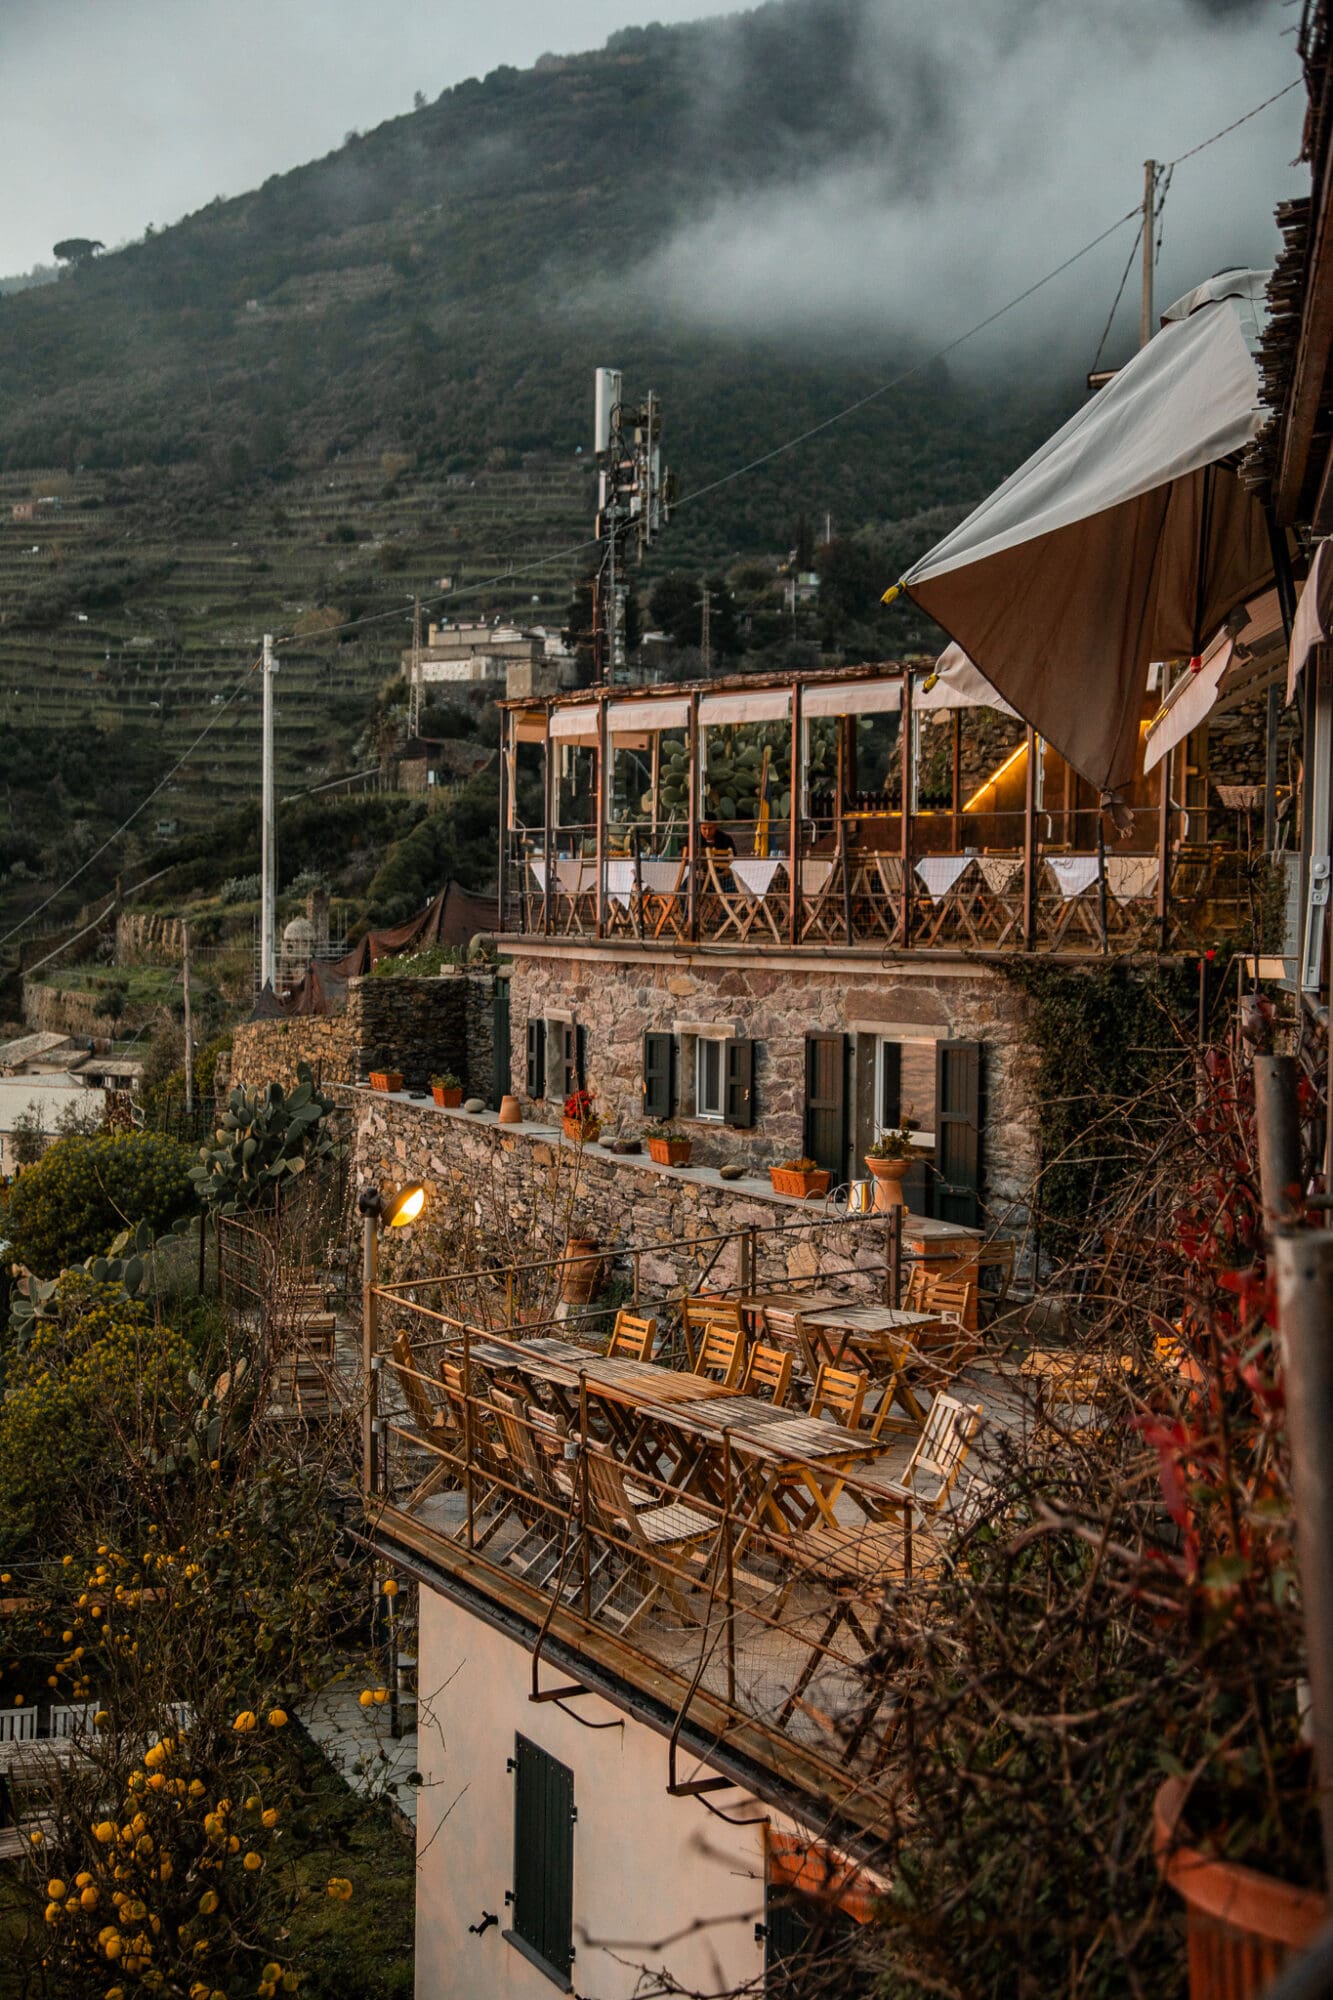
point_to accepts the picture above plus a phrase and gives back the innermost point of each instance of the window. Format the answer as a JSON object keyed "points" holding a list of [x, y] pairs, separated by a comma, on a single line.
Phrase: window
{"points": [[709, 1075], [905, 1086], [564, 1062], [542, 1898]]}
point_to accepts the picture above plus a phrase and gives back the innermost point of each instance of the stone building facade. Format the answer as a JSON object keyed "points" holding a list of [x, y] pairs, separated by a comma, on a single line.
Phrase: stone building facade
{"points": [[886, 1033]]}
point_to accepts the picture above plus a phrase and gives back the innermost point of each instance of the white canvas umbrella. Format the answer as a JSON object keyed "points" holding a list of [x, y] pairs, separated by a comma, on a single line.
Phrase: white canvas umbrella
{"points": [[1124, 539], [955, 682]]}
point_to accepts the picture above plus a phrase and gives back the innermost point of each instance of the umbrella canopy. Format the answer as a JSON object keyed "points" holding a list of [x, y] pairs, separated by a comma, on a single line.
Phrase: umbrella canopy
{"points": [[956, 683], [1123, 540], [1235, 666]]}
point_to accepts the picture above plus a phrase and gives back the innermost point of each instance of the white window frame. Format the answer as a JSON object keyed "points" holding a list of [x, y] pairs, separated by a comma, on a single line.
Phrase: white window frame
{"points": [[709, 1115], [922, 1135]]}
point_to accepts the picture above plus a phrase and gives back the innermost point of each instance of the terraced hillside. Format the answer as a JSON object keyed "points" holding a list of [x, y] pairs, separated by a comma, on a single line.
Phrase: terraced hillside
{"points": [[109, 618]]}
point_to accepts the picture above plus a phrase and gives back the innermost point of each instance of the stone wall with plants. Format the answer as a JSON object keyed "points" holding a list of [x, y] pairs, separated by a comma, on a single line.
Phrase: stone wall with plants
{"points": [[617, 1001], [422, 1027], [497, 1194]]}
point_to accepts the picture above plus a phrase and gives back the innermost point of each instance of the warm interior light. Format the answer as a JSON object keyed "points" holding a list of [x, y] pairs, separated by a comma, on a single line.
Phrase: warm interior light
{"points": [[405, 1206], [988, 784]]}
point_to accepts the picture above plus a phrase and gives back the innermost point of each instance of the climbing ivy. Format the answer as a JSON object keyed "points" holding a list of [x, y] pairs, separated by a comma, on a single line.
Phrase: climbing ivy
{"points": [[1105, 1037]]}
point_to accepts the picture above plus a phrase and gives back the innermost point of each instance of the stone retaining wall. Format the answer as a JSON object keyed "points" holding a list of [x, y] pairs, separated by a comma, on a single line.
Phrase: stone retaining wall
{"points": [[422, 1027], [499, 1194]]}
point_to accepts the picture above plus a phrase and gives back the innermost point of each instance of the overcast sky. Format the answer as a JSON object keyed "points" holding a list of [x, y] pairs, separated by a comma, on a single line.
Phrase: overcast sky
{"points": [[117, 113]]}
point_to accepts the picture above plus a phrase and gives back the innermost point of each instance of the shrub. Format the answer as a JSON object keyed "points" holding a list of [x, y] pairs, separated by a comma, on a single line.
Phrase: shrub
{"points": [[84, 1191]]}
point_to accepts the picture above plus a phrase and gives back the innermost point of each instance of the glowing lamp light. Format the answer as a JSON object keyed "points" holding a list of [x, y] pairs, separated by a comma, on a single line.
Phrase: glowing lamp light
{"points": [[989, 784], [393, 1208], [405, 1206]]}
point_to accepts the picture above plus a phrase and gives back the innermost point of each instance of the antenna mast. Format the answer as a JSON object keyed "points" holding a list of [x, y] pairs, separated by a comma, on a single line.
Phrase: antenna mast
{"points": [[634, 493]]}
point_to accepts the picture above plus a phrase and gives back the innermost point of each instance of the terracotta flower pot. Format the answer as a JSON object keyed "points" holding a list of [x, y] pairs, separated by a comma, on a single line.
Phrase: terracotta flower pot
{"points": [[448, 1099], [888, 1176], [670, 1152], [582, 1129], [386, 1079], [581, 1271], [1241, 1926], [799, 1182], [510, 1112]]}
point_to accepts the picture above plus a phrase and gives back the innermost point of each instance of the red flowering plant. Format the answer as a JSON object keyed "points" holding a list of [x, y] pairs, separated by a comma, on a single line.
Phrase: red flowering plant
{"points": [[580, 1112], [1224, 1575]]}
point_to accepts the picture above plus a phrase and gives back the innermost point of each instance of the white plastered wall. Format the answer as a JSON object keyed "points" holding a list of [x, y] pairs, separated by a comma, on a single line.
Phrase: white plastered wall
{"points": [[646, 1865]]}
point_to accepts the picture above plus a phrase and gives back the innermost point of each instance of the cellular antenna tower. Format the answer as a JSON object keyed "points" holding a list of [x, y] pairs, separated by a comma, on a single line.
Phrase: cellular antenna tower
{"points": [[634, 492]]}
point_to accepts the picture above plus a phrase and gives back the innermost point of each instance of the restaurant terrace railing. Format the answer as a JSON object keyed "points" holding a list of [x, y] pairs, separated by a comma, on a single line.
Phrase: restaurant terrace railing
{"points": [[732, 1557], [1029, 863], [658, 1491]]}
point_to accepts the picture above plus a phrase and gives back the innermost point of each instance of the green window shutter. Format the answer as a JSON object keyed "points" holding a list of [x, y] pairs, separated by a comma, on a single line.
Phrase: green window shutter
{"points": [[536, 1079], [580, 1059], [659, 1075], [568, 1079], [959, 1117], [738, 1093], [543, 1905], [825, 1139]]}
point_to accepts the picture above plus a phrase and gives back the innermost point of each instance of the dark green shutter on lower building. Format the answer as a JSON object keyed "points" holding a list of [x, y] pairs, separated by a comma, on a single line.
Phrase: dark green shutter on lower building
{"points": [[825, 1138], [536, 1079], [500, 1044], [738, 1094], [543, 1902], [959, 1116], [659, 1075]]}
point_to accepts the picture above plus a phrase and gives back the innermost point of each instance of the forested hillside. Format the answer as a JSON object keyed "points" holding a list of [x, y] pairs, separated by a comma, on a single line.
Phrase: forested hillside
{"points": [[297, 408]]}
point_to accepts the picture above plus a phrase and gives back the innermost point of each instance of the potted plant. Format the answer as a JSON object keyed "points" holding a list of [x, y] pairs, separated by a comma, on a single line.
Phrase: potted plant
{"points": [[667, 1148], [581, 1122], [447, 1090], [386, 1079], [889, 1157], [800, 1178]]}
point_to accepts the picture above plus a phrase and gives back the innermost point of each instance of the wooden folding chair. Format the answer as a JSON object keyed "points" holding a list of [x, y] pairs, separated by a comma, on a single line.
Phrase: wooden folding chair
{"points": [[478, 1447], [538, 1547], [841, 1392], [721, 1355], [768, 1368], [654, 1534], [949, 1301], [434, 1420], [930, 1475], [700, 1312], [632, 1337], [786, 1330], [995, 1259]]}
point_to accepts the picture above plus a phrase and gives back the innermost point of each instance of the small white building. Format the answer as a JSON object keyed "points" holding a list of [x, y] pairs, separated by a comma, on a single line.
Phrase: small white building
{"points": [[46, 1097]]}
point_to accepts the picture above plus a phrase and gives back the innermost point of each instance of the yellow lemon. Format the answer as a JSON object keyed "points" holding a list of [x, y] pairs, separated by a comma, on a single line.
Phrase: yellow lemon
{"points": [[245, 1720], [390, 1588], [56, 1889], [277, 1718], [269, 1818], [208, 1902], [89, 1897], [253, 1861]]}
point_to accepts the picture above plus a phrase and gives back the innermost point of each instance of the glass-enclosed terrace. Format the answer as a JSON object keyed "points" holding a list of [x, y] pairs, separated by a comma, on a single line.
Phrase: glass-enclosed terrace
{"points": [[851, 808]]}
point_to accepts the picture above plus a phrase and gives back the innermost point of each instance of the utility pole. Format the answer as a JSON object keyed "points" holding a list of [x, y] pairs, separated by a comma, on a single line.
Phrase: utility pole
{"points": [[414, 684], [268, 852], [1149, 230], [189, 1038], [705, 633]]}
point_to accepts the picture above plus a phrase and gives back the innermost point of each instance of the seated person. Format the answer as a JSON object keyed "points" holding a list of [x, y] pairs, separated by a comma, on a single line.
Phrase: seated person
{"points": [[716, 837]]}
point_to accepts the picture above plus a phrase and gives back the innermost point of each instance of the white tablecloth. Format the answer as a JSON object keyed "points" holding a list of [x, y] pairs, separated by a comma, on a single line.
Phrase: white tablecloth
{"points": [[1000, 871], [814, 877], [1131, 875], [661, 876], [1073, 872], [620, 881], [755, 872], [939, 872]]}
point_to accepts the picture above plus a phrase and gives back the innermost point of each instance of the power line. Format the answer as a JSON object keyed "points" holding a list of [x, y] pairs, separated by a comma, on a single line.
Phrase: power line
{"points": [[1119, 294], [126, 824], [1235, 124]]}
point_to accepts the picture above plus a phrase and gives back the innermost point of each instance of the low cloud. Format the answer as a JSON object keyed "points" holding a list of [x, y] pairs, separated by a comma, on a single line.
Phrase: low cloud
{"points": [[1036, 121]]}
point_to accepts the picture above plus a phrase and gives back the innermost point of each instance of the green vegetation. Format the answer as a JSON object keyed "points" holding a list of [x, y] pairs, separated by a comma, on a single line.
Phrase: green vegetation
{"points": [[266, 1138], [297, 409], [84, 1192]]}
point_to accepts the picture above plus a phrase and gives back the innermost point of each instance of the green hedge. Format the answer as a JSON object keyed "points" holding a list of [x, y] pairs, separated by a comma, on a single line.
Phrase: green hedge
{"points": [[84, 1191]]}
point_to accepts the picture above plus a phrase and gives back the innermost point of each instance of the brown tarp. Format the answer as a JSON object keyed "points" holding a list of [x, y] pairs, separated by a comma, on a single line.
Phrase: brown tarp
{"points": [[454, 917], [1125, 539]]}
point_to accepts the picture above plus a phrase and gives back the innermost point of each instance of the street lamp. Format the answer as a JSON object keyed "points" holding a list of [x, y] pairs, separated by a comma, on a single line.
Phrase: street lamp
{"points": [[387, 1208]]}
